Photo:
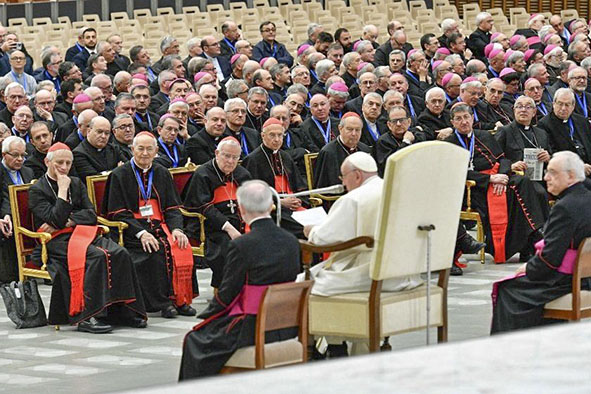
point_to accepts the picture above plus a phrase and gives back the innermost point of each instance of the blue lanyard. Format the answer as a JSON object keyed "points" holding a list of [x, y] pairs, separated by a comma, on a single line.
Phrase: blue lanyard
{"points": [[409, 73], [572, 128], [24, 79], [325, 133], [274, 50], [151, 73], [374, 133], [475, 115], [583, 104], [175, 159], [232, 47], [80, 135], [464, 144], [410, 107], [566, 35], [243, 143], [542, 108], [288, 140], [75, 120], [309, 98], [493, 72], [313, 73], [549, 95], [449, 100], [139, 119], [272, 101], [15, 132], [80, 47], [140, 182], [19, 179]]}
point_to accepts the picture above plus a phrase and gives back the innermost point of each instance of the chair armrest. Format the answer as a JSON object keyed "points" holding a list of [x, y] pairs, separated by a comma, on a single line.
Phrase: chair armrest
{"points": [[121, 226], [325, 198], [519, 173], [336, 247], [201, 218], [103, 229], [44, 238], [314, 202], [469, 185]]}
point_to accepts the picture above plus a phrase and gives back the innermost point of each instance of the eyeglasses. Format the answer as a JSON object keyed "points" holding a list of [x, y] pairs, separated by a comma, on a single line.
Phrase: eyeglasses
{"points": [[398, 120], [17, 58], [341, 177], [228, 156], [526, 107], [125, 127], [269, 30], [17, 155], [23, 116]]}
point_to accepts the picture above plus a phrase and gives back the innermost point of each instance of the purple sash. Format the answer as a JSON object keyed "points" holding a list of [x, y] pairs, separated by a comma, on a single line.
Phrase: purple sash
{"points": [[567, 267], [248, 300]]}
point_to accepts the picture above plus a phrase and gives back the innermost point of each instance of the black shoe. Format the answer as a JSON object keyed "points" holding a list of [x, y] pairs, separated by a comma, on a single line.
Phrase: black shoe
{"points": [[456, 271], [169, 312], [94, 326], [138, 322], [335, 351], [186, 310], [469, 245]]}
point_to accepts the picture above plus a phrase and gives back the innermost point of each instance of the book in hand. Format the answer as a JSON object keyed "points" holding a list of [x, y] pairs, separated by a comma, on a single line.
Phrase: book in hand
{"points": [[535, 168], [310, 217]]}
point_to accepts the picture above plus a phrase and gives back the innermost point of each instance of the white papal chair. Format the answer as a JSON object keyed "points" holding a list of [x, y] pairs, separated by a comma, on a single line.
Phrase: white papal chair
{"points": [[423, 185]]}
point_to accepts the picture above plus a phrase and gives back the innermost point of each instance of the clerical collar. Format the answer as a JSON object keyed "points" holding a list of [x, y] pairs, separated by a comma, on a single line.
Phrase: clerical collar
{"points": [[259, 218], [144, 170], [321, 121]]}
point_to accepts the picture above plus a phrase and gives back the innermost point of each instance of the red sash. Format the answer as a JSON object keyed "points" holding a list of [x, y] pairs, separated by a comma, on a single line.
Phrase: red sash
{"points": [[182, 273], [282, 186], [497, 217], [82, 237], [227, 192]]}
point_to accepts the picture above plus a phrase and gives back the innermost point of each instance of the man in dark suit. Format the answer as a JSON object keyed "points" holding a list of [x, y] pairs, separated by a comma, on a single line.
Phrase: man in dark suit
{"points": [[117, 44], [212, 52], [481, 36], [320, 127], [41, 140], [367, 84], [201, 146], [414, 104], [566, 129], [577, 81], [264, 256], [89, 37], [231, 36], [95, 155]]}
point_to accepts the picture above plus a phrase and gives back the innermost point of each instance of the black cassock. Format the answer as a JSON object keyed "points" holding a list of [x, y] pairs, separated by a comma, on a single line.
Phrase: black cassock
{"points": [[121, 202], [520, 301], [526, 209], [248, 138], [88, 160], [560, 137], [213, 194], [110, 282], [430, 123], [201, 146], [386, 145], [327, 167], [264, 256], [171, 156], [281, 173]]}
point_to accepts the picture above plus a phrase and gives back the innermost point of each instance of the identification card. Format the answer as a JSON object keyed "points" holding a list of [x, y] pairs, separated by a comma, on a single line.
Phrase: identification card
{"points": [[471, 165], [146, 211]]}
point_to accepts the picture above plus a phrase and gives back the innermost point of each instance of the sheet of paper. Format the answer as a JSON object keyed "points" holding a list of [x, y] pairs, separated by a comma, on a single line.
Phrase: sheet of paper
{"points": [[535, 168], [311, 217]]}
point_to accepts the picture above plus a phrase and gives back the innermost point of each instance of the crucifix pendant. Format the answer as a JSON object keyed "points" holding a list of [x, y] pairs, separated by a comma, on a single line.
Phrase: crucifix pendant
{"points": [[232, 206]]}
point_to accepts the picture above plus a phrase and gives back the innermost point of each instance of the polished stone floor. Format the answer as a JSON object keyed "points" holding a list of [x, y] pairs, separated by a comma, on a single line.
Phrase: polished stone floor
{"points": [[68, 361]]}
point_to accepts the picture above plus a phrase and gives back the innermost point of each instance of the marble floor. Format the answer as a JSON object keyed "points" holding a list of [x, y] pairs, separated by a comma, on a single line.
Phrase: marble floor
{"points": [[68, 361]]}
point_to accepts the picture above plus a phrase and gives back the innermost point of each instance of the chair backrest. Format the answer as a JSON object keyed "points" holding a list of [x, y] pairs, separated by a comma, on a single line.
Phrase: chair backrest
{"points": [[21, 216], [182, 175], [95, 186], [283, 305], [309, 161], [583, 266], [423, 185]]}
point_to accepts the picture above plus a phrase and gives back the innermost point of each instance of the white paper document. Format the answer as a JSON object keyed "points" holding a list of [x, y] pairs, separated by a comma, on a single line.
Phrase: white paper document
{"points": [[535, 168], [310, 217]]}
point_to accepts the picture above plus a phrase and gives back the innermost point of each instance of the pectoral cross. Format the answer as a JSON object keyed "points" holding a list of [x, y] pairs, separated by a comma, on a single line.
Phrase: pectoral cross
{"points": [[232, 206]]}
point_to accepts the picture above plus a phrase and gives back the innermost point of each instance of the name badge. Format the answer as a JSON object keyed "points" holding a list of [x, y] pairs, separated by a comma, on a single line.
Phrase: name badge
{"points": [[471, 165], [146, 211]]}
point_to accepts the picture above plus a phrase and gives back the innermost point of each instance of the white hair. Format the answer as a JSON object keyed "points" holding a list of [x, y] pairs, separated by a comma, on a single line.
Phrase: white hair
{"points": [[433, 91], [228, 141], [13, 139], [447, 24], [232, 102], [571, 162], [13, 85], [481, 17], [255, 197], [372, 95]]}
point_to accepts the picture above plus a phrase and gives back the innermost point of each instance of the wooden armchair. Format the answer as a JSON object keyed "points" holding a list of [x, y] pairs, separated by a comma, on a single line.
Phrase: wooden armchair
{"points": [[181, 177], [309, 161], [576, 305], [469, 214], [26, 237], [95, 186], [283, 305], [399, 250]]}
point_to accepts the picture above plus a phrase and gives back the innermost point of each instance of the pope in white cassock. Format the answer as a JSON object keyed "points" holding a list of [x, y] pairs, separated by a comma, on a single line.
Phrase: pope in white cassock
{"points": [[353, 215]]}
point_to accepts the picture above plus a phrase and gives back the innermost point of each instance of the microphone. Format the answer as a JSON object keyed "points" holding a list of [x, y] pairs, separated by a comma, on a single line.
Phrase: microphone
{"points": [[334, 189]]}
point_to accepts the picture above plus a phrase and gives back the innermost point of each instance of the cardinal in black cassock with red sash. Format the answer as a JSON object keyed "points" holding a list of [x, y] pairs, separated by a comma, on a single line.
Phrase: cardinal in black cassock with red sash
{"points": [[264, 256], [94, 281], [142, 194], [212, 192], [511, 210], [276, 167]]}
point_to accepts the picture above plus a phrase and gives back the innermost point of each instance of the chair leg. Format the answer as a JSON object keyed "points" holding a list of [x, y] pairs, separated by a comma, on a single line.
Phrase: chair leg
{"points": [[57, 327], [442, 334], [480, 237]]}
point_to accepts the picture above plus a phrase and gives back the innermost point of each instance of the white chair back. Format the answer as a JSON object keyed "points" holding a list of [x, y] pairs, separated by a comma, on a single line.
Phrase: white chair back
{"points": [[423, 184]]}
